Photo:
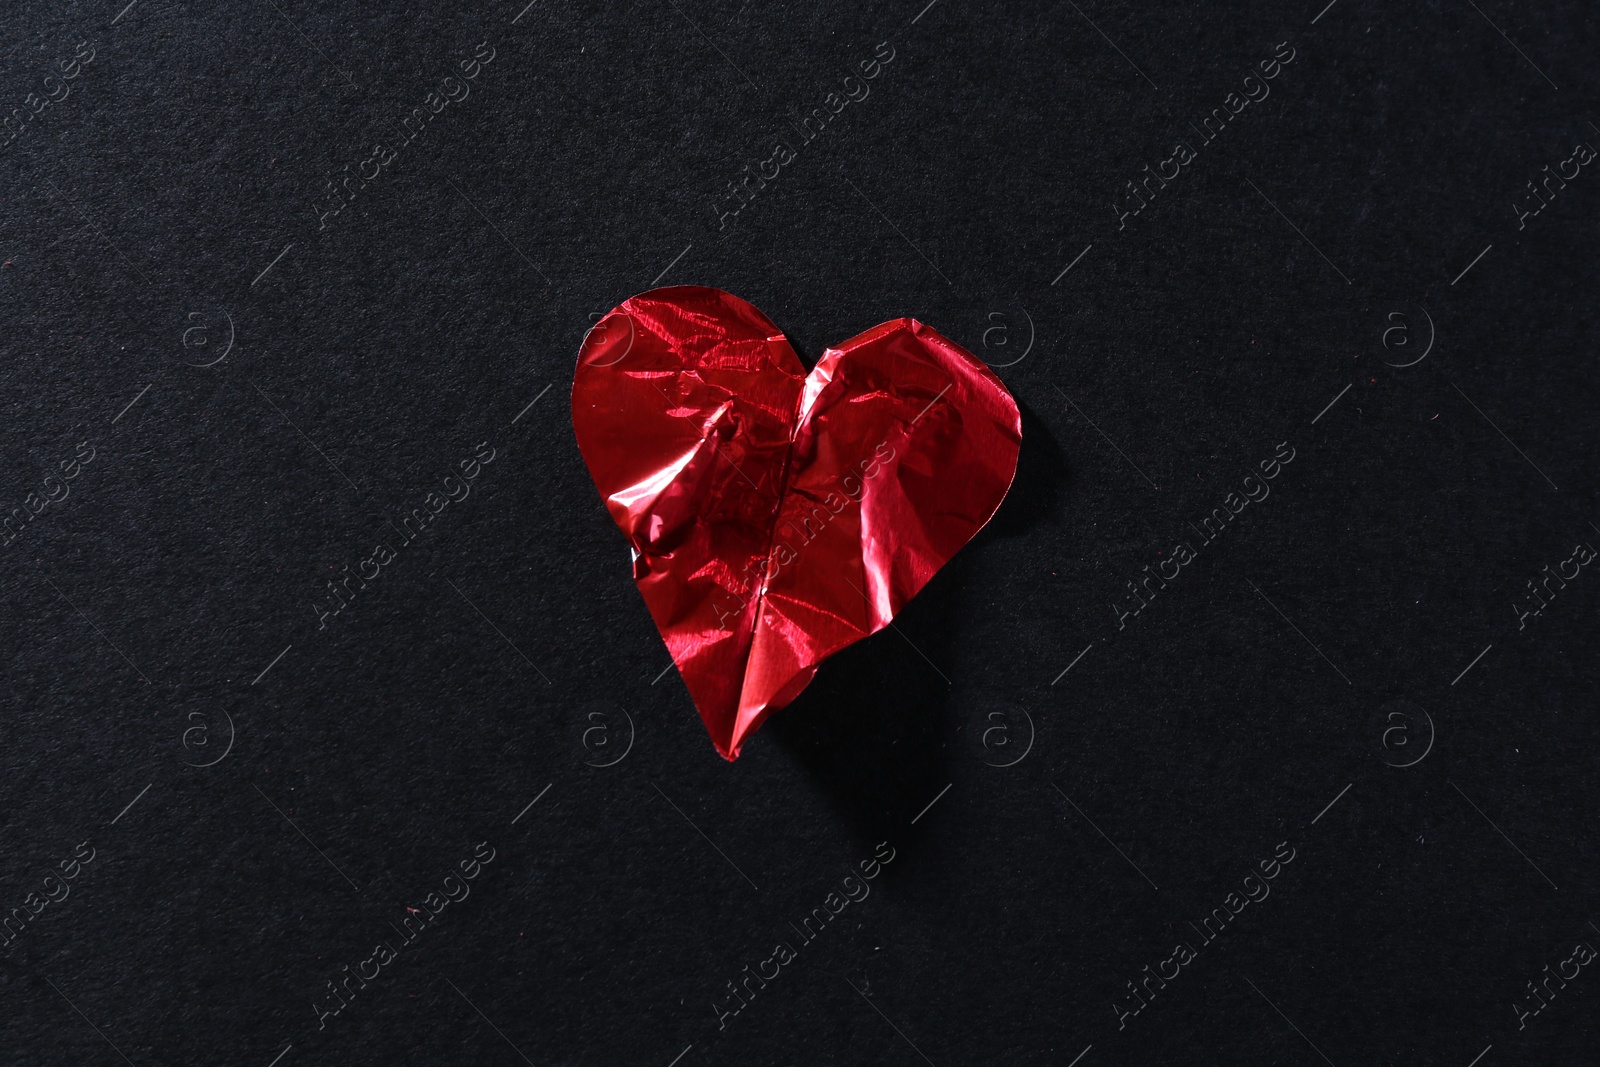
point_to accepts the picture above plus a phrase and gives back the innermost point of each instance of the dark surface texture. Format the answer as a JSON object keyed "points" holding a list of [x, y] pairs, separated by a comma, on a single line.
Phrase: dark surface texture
{"points": [[1335, 380]]}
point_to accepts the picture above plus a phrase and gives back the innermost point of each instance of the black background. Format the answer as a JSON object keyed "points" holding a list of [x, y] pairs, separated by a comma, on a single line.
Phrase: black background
{"points": [[164, 607]]}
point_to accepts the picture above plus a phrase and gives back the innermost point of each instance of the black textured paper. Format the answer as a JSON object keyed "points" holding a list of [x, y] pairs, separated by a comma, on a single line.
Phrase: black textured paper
{"points": [[1258, 727]]}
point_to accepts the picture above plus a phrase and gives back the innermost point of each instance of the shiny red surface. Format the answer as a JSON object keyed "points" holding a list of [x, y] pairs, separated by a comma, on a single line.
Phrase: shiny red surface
{"points": [[776, 517]]}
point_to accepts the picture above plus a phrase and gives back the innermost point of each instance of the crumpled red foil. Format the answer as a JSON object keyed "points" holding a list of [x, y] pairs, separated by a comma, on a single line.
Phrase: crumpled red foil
{"points": [[777, 516]]}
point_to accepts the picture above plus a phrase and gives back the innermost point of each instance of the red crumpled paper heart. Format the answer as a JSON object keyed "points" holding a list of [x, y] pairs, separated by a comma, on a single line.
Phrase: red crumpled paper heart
{"points": [[777, 516]]}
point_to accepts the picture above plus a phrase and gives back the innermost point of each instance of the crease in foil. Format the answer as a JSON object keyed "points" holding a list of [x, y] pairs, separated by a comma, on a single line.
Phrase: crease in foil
{"points": [[774, 516]]}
